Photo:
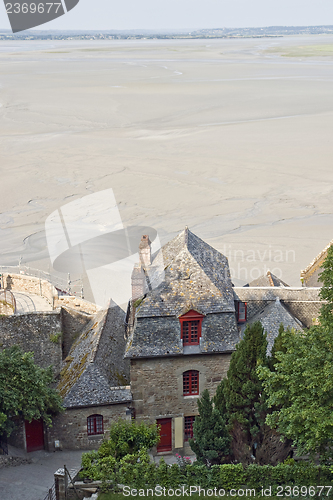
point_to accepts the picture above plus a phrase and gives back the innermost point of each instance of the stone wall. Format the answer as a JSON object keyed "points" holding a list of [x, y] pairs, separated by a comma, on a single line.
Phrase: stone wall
{"points": [[157, 384], [311, 278], [30, 284], [69, 301], [36, 332], [17, 437], [70, 427]]}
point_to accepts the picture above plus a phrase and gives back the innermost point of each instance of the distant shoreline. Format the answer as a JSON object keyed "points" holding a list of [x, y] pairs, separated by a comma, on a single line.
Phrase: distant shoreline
{"points": [[218, 33]]}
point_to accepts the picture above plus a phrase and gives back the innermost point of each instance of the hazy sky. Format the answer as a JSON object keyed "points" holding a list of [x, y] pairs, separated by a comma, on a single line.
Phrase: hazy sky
{"points": [[191, 14]]}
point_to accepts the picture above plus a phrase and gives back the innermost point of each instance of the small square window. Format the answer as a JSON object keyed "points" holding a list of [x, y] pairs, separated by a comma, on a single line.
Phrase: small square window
{"points": [[95, 425]]}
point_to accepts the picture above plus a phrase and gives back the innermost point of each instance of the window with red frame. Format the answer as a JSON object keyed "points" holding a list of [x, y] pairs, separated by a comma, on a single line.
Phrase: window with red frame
{"points": [[95, 425], [190, 324], [188, 427], [191, 383], [241, 312]]}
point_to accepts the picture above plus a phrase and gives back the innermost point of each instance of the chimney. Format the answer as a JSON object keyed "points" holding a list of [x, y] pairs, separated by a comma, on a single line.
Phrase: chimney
{"points": [[138, 282], [145, 251]]}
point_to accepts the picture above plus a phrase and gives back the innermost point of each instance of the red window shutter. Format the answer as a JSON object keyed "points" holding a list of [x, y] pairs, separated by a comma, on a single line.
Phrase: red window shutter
{"points": [[242, 312]]}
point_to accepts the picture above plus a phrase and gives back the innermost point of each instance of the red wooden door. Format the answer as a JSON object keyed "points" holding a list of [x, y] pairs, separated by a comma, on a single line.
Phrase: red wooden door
{"points": [[165, 443], [34, 434]]}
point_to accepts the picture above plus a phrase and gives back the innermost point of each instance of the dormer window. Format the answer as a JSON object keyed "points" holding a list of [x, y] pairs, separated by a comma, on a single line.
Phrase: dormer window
{"points": [[190, 324], [241, 312]]}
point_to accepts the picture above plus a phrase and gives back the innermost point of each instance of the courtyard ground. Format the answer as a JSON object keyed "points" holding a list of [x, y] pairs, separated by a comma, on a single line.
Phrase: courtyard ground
{"points": [[31, 481]]}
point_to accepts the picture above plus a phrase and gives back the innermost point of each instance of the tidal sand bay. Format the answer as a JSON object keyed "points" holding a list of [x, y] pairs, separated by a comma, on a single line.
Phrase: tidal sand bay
{"points": [[231, 137]]}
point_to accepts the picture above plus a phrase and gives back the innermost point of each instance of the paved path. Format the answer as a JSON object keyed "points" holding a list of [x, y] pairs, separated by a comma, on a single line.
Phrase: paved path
{"points": [[30, 303], [31, 481]]}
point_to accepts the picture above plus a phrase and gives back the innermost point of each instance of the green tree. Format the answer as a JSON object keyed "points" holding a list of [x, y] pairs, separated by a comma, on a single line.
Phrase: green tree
{"points": [[300, 390], [299, 386], [127, 437], [25, 390], [245, 404], [326, 292], [118, 457], [211, 439]]}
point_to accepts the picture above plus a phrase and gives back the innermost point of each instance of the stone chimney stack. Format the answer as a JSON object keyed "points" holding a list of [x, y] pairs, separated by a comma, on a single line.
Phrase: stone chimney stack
{"points": [[145, 251], [138, 282]]}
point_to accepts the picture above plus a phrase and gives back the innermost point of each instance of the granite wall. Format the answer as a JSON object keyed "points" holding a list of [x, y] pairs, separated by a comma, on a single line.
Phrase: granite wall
{"points": [[70, 427], [37, 332], [157, 384], [30, 284]]}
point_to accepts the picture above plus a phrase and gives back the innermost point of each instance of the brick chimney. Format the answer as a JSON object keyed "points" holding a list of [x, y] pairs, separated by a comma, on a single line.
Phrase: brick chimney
{"points": [[145, 251]]}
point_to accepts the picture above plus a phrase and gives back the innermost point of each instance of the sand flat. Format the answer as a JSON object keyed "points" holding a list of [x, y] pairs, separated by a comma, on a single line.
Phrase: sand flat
{"points": [[229, 137]]}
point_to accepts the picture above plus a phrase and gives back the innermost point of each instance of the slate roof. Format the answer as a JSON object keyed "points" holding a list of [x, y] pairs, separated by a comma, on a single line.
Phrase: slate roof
{"points": [[85, 380], [194, 273], [196, 276], [302, 303], [268, 279], [271, 317]]}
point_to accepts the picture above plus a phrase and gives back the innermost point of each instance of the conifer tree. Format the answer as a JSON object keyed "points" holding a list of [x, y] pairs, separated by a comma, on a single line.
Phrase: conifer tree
{"points": [[211, 439], [245, 403]]}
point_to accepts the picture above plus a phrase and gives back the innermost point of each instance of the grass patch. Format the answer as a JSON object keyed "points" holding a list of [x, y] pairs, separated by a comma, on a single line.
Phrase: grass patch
{"points": [[303, 51], [55, 337]]}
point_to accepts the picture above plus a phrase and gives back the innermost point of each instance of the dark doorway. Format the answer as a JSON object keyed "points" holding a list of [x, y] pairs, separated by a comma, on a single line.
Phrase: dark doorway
{"points": [[165, 443], [34, 433]]}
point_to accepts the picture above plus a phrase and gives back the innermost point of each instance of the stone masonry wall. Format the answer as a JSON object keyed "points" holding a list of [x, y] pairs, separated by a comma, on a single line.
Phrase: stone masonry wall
{"points": [[70, 427], [76, 303], [312, 279], [34, 332], [157, 383], [30, 284]]}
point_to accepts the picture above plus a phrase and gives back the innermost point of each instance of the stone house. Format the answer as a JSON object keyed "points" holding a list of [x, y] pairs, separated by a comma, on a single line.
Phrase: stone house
{"points": [[93, 379], [176, 339], [94, 383], [181, 334]]}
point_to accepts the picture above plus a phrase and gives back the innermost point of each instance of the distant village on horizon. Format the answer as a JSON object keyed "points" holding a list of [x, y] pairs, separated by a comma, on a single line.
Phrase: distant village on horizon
{"points": [[254, 32]]}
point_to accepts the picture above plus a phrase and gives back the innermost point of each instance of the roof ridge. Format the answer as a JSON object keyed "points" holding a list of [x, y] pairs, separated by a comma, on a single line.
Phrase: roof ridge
{"points": [[270, 278], [103, 320], [186, 236]]}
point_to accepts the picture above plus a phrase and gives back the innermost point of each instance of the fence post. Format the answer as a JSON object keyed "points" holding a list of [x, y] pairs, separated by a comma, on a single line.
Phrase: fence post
{"points": [[60, 484]]}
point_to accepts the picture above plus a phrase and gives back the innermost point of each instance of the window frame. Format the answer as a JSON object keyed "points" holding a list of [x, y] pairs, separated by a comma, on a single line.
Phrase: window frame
{"points": [[188, 429], [241, 319], [193, 383], [189, 318], [95, 425]]}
